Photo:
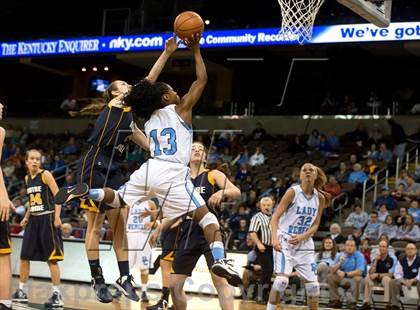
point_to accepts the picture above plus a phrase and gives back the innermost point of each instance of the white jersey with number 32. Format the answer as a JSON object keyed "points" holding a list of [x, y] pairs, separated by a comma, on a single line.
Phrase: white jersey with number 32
{"points": [[170, 137], [300, 214]]}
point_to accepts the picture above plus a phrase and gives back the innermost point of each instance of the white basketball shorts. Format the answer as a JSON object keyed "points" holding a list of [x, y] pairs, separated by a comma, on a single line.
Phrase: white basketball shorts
{"points": [[300, 257], [169, 182]]}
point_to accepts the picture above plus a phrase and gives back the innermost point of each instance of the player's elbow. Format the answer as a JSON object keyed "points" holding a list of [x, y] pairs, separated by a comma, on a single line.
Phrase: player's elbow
{"points": [[236, 193]]}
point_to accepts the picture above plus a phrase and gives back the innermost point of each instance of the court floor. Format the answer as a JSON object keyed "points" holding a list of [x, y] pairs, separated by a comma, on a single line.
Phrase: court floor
{"points": [[81, 296]]}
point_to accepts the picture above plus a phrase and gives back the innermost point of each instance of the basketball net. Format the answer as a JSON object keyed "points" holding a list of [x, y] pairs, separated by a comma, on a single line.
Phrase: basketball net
{"points": [[298, 17]]}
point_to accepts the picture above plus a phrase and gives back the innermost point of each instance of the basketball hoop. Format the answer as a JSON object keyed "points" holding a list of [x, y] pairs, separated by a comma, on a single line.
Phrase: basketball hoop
{"points": [[298, 17]]}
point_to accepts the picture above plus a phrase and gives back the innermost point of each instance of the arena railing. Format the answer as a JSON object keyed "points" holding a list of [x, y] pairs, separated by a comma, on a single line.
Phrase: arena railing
{"points": [[405, 161], [341, 204]]}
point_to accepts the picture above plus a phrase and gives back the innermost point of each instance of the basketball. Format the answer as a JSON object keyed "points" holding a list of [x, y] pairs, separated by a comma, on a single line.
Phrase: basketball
{"points": [[188, 24]]}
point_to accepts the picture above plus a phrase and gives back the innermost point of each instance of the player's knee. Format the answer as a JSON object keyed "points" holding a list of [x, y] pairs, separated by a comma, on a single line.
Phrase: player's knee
{"points": [[208, 219], [144, 272], [312, 289], [116, 202], [280, 283]]}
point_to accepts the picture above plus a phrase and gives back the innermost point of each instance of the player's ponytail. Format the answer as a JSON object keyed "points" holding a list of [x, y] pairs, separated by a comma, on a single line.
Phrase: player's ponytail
{"points": [[320, 181], [146, 97]]}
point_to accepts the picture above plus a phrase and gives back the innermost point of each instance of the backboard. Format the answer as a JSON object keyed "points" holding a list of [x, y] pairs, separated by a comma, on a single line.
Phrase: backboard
{"points": [[377, 12]]}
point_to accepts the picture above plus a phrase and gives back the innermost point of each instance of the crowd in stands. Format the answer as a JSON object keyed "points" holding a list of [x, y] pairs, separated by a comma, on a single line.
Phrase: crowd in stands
{"points": [[265, 166]]}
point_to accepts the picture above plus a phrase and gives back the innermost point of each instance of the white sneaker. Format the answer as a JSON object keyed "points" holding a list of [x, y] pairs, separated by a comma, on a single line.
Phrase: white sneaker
{"points": [[224, 268]]}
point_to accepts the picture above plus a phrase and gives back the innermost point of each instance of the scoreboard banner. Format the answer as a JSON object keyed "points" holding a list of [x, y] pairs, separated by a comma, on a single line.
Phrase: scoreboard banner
{"points": [[211, 39]]}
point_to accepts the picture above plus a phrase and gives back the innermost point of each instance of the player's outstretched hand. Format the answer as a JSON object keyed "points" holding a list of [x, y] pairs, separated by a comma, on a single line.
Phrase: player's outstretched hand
{"points": [[171, 44], [193, 43]]}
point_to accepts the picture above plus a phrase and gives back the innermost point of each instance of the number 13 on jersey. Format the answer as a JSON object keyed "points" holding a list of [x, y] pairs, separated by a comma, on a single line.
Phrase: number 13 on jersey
{"points": [[170, 135]]}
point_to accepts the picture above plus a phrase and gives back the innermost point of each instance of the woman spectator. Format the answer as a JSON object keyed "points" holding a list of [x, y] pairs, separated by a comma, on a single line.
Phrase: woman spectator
{"points": [[325, 258], [389, 228], [66, 230], [226, 156], [258, 158], [384, 155], [324, 146], [382, 213], [336, 236], [409, 231], [357, 176], [313, 140], [370, 168], [240, 234], [365, 250], [333, 140], [241, 158], [373, 152], [357, 217], [332, 187]]}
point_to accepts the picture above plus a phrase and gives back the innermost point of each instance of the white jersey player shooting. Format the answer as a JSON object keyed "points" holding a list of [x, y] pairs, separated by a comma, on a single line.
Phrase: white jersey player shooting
{"points": [[293, 223]]}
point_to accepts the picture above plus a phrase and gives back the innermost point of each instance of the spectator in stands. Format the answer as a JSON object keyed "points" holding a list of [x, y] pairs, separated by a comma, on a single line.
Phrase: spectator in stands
{"points": [[398, 139], [384, 155], [373, 152], [375, 134], [58, 166], [349, 106], [413, 189], [247, 245], [333, 140], [356, 235], [402, 179], [353, 159], [365, 250], [414, 211], [400, 218], [357, 217], [332, 187], [241, 158], [260, 231], [407, 274], [226, 156], [397, 193], [66, 230], [313, 140], [258, 133], [348, 268], [243, 172], [278, 189], [386, 199], [359, 134], [357, 176], [235, 219], [375, 248], [335, 234], [20, 210], [372, 227], [374, 102], [239, 235], [258, 158], [294, 178], [370, 168], [409, 231], [389, 228], [71, 148], [342, 174], [380, 273], [382, 213], [225, 137], [252, 272], [324, 146], [325, 258]]}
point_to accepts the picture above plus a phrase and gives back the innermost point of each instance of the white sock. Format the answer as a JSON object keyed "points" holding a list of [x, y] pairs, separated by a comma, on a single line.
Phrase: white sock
{"points": [[56, 288], [96, 194], [144, 287], [23, 287], [7, 303], [271, 307]]}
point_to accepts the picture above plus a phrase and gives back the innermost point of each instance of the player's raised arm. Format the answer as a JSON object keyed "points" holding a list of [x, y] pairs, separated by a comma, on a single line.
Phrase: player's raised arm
{"points": [[284, 203], [227, 189], [184, 109], [50, 181], [170, 46], [139, 137]]}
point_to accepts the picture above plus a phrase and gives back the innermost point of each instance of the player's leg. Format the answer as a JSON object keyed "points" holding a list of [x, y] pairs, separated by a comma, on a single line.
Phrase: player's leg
{"points": [[5, 266], [282, 268], [307, 270], [55, 300], [179, 298], [93, 235], [125, 283], [224, 292], [144, 279]]}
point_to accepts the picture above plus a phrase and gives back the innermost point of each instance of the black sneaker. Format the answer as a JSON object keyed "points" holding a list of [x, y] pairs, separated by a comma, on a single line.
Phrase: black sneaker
{"points": [[144, 297], [19, 296], [161, 305], [65, 195], [4, 307], [101, 290], [54, 301], [125, 285], [223, 268]]}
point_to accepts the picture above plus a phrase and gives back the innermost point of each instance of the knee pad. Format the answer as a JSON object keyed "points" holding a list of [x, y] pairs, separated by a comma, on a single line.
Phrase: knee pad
{"points": [[312, 289], [280, 283], [116, 203], [208, 219]]}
